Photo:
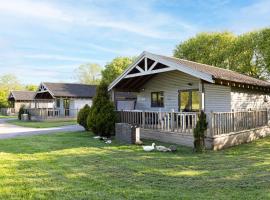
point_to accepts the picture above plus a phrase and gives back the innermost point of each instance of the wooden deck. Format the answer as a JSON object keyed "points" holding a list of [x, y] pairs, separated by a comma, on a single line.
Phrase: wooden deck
{"points": [[225, 129]]}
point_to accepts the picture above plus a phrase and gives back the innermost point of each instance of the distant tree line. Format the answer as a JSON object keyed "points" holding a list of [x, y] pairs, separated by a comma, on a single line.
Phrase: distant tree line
{"points": [[248, 53], [10, 82]]}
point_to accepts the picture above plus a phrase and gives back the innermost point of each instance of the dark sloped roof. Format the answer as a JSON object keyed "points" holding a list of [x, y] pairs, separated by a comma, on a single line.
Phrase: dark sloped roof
{"points": [[23, 95], [71, 90], [218, 73]]}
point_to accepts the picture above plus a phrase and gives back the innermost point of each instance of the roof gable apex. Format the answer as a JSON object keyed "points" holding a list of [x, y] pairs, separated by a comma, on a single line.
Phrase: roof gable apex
{"points": [[171, 65]]}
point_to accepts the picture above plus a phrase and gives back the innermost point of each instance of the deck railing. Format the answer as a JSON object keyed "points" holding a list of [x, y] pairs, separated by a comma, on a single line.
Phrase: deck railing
{"points": [[51, 113], [180, 122], [7, 111], [184, 122], [227, 122]]}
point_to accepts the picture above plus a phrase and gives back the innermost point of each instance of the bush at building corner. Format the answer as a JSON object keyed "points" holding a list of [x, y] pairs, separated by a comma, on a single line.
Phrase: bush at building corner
{"points": [[21, 111], [102, 117], [82, 116], [199, 133]]}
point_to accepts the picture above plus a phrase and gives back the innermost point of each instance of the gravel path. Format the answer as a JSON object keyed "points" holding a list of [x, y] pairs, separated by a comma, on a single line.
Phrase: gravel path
{"points": [[9, 130]]}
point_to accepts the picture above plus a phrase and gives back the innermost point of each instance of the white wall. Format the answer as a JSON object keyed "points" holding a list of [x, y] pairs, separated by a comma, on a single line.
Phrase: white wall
{"points": [[169, 83], [217, 98], [243, 99], [80, 103]]}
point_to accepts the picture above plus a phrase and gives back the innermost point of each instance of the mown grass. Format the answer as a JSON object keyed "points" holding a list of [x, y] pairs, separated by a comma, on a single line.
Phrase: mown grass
{"points": [[76, 166], [43, 124], [6, 117]]}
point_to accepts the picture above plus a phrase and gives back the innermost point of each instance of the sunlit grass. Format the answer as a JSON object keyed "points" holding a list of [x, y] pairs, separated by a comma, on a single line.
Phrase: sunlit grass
{"points": [[76, 166], [6, 117], [43, 124]]}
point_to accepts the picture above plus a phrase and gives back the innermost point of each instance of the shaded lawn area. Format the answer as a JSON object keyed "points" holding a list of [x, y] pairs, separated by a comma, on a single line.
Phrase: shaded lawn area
{"points": [[76, 166], [43, 124]]}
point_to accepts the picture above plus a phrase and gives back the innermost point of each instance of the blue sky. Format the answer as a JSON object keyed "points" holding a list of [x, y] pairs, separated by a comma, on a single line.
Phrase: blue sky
{"points": [[45, 40]]}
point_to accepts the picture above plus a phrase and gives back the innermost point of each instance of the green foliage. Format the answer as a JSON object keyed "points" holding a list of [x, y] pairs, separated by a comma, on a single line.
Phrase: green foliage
{"points": [[21, 111], [8, 82], [102, 117], [208, 48], [82, 116], [199, 132], [88, 73], [31, 87], [115, 68], [248, 53]]}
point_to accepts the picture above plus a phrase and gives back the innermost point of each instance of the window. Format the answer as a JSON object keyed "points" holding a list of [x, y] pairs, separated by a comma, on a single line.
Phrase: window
{"points": [[157, 99], [58, 103], [189, 100]]}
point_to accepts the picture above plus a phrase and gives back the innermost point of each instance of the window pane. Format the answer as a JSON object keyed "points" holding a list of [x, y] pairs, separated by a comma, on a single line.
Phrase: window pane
{"points": [[154, 99], [184, 101], [195, 101], [161, 99]]}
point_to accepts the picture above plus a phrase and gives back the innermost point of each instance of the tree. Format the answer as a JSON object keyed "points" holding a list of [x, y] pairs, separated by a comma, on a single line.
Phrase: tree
{"points": [[208, 48], [199, 132], [102, 117], [115, 68], [31, 87], [248, 53], [8, 82], [88, 73], [82, 116]]}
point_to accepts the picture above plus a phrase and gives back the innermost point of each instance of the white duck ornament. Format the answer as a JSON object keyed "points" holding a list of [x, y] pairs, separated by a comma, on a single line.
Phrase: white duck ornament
{"points": [[162, 148], [149, 148]]}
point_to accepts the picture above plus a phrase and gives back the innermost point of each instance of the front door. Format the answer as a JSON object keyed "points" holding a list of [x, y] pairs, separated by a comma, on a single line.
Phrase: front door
{"points": [[66, 107], [189, 101]]}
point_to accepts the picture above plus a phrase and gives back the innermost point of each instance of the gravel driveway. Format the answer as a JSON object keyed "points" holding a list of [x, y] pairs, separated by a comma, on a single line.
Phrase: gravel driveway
{"points": [[9, 130]]}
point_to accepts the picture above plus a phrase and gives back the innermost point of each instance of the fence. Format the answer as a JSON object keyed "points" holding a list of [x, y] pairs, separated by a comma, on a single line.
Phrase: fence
{"points": [[227, 122], [185, 122], [180, 122], [50, 113], [7, 111]]}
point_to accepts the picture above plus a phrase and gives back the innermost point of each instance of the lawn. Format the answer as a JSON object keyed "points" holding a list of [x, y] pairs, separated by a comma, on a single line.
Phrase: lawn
{"points": [[76, 166], [6, 117], [43, 124]]}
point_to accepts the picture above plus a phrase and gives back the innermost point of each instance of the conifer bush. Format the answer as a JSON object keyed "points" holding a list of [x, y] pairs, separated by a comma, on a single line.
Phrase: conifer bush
{"points": [[82, 116], [21, 111], [102, 117], [199, 133]]}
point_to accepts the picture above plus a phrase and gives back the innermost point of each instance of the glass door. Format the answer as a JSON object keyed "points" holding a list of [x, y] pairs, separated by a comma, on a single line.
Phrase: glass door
{"points": [[189, 101], [66, 106]]}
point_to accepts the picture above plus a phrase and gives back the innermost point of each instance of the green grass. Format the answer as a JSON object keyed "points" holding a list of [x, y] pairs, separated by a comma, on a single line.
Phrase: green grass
{"points": [[43, 124], [6, 117], [76, 166]]}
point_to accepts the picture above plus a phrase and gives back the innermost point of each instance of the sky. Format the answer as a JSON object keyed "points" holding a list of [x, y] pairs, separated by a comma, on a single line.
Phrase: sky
{"points": [[46, 40]]}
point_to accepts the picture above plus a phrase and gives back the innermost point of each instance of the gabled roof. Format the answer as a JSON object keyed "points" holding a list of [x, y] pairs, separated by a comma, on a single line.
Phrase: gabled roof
{"points": [[74, 90], [202, 71], [22, 95]]}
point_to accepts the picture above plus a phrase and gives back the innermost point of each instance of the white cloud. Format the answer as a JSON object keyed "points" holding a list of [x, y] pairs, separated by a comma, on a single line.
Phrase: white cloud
{"points": [[34, 9], [253, 16], [144, 21], [61, 58]]}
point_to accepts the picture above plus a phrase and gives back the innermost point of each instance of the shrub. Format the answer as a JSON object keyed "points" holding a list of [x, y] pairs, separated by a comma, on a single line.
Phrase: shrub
{"points": [[102, 117], [82, 116], [21, 111], [199, 133]]}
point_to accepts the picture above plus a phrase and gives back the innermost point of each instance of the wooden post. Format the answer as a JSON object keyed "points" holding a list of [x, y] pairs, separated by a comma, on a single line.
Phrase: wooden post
{"points": [[172, 120], [267, 117], [211, 123], [143, 119], [234, 121]]}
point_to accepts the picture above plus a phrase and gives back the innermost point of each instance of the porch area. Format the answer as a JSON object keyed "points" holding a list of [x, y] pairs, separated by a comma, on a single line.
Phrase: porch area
{"points": [[225, 129], [40, 114]]}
